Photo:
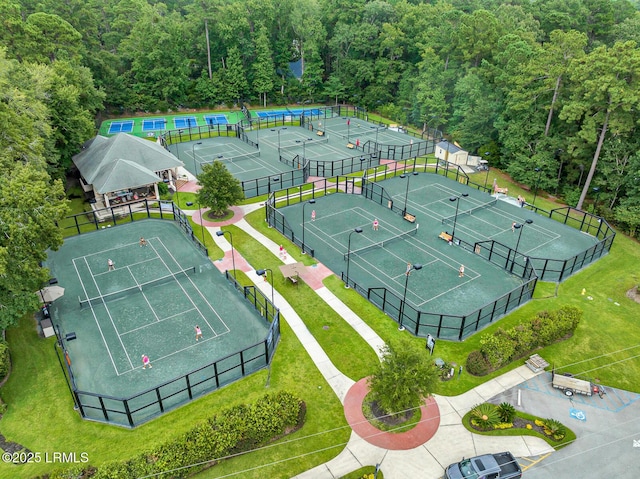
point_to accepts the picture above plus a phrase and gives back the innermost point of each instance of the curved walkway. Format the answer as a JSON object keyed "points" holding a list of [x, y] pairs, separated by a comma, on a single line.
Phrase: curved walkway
{"points": [[438, 440]]}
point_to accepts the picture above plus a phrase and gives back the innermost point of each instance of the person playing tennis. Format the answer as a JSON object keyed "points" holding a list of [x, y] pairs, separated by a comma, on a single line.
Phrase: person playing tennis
{"points": [[198, 333], [146, 362]]}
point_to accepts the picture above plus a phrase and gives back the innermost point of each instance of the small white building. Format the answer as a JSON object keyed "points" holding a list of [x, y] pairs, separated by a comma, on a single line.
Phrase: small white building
{"points": [[452, 153]]}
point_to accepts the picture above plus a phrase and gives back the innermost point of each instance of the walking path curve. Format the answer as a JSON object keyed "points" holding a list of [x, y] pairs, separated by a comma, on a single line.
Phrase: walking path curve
{"points": [[440, 441]]}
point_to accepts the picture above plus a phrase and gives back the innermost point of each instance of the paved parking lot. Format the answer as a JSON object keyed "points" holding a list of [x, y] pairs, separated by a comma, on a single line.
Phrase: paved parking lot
{"points": [[607, 429]]}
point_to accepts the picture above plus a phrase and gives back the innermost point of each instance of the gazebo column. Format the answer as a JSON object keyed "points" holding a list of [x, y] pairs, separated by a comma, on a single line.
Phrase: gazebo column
{"points": [[106, 200]]}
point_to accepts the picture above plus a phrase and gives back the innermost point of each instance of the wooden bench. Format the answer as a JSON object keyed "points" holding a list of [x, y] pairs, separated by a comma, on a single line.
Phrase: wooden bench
{"points": [[536, 363], [445, 236], [351, 146], [294, 280], [410, 218], [320, 133]]}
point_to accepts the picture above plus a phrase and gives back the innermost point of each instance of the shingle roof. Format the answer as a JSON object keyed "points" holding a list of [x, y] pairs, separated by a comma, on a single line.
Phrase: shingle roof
{"points": [[123, 161], [450, 147]]}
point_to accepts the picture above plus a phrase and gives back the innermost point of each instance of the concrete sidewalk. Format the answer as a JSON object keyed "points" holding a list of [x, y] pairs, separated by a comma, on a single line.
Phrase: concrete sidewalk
{"points": [[451, 442]]}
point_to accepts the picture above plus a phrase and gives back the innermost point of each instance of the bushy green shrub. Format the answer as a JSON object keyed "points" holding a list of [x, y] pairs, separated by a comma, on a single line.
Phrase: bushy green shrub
{"points": [[506, 412], [163, 188], [503, 346], [497, 348], [75, 192], [234, 430], [5, 359], [477, 364]]}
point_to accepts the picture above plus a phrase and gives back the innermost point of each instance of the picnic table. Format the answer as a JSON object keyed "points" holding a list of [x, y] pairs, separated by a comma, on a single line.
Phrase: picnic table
{"points": [[292, 271]]}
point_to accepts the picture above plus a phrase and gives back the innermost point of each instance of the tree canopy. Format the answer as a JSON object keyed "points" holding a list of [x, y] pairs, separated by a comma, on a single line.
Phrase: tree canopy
{"points": [[547, 86], [220, 189]]}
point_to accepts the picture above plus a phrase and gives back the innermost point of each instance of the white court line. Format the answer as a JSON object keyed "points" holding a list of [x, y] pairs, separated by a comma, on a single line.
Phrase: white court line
{"points": [[104, 340], [160, 321], [105, 304], [144, 295], [199, 293], [110, 319]]}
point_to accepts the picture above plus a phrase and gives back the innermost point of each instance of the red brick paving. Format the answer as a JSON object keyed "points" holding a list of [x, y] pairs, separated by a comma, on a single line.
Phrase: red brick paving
{"points": [[227, 262], [197, 217], [315, 274], [402, 441]]}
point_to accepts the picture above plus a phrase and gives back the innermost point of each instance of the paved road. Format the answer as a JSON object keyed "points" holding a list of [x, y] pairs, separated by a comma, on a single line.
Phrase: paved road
{"points": [[606, 429]]}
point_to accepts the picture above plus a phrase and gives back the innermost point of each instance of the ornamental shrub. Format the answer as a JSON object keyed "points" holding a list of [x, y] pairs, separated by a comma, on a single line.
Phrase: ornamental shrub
{"points": [[554, 428], [233, 430], [477, 364], [503, 346], [5, 359], [485, 416], [506, 412]]}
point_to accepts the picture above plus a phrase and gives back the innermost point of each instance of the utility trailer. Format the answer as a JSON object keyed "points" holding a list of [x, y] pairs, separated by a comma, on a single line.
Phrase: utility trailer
{"points": [[570, 385]]}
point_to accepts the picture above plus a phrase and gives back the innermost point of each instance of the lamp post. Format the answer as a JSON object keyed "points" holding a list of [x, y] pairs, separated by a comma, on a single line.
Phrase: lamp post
{"points": [[581, 166], [233, 258], [556, 155], [413, 267], [263, 272], [520, 227], [596, 190], [357, 230], [279, 137], [178, 144], [193, 154], [486, 178], [535, 193], [303, 218], [455, 218], [406, 194]]}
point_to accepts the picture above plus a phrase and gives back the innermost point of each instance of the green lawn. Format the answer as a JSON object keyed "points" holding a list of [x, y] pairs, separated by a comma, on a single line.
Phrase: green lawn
{"points": [[40, 414]]}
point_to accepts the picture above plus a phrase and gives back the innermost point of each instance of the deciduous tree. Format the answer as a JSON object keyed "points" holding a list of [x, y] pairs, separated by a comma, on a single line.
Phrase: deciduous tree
{"points": [[404, 378], [220, 189]]}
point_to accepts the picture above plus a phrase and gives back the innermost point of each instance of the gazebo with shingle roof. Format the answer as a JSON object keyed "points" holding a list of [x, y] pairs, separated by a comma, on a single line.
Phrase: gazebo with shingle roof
{"points": [[123, 167]]}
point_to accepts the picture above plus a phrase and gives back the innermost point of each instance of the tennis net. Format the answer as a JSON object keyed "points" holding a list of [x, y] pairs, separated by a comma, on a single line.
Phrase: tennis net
{"points": [[233, 159], [90, 302], [381, 244], [356, 132], [449, 219], [305, 143]]}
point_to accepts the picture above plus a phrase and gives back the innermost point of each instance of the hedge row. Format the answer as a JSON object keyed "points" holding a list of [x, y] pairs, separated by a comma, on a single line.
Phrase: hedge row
{"points": [[503, 346], [232, 431], [4, 359]]}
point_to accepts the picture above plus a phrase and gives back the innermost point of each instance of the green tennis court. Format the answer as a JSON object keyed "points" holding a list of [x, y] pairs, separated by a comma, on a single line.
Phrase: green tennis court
{"points": [[149, 303], [357, 131], [241, 159], [437, 286]]}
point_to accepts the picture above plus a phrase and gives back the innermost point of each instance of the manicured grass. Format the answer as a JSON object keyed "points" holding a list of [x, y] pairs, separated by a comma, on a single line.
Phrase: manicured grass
{"points": [[41, 417], [367, 472], [344, 346], [40, 414]]}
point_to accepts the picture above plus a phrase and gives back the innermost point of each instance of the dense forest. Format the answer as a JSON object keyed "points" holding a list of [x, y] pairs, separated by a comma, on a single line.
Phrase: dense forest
{"points": [[547, 90]]}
